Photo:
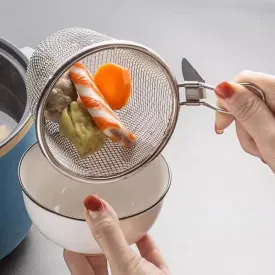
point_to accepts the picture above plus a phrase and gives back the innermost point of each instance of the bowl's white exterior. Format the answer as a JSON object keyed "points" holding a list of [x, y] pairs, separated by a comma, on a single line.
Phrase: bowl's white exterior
{"points": [[52, 199], [74, 235]]}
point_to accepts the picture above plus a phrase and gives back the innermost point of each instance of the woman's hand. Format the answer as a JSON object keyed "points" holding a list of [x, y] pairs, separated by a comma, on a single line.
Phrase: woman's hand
{"points": [[80, 264], [255, 122], [104, 225]]}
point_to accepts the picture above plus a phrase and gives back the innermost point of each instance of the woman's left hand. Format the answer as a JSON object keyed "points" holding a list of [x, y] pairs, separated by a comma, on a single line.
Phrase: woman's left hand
{"points": [[80, 264], [104, 225]]}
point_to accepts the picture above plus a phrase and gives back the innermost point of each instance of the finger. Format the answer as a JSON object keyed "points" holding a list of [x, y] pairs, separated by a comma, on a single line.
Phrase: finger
{"points": [[77, 263], [149, 251], [251, 112], [259, 79], [264, 81], [104, 225], [222, 120], [246, 141], [98, 264]]}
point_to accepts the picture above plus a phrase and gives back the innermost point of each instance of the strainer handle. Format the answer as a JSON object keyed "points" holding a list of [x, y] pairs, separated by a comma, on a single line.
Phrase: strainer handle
{"points": [[196, 94]]}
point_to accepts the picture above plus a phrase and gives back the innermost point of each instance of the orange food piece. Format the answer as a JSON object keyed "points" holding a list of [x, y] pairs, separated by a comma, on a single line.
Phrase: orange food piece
{"points": [[114, 83]]}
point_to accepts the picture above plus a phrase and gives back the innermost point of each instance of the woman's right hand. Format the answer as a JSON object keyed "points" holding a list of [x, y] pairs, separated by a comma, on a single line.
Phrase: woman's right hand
{"points": [[255, 121]]}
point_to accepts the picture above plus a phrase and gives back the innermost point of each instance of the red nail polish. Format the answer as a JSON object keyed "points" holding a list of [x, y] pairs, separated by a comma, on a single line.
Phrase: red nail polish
{"points": [[218, 132], [224, 90], [93, 203]]}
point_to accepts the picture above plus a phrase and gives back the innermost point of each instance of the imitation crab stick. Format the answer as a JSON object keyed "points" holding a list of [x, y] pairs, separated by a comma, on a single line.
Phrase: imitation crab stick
{"points": [[101, 113], [114, 83]]}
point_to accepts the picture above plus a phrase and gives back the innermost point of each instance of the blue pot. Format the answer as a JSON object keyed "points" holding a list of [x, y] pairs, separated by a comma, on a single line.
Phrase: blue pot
{"points": [[14, 220]]}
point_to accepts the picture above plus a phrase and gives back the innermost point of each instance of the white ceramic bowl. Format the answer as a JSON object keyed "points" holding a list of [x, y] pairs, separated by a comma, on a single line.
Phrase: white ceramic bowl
{"points": [[55, 202]]}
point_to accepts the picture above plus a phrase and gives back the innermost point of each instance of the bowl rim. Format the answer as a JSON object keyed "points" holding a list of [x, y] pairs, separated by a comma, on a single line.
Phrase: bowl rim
{"points": [[82, 219]]}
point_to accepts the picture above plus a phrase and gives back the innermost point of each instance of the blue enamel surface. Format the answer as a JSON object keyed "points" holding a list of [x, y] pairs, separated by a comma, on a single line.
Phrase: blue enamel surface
{"points": [[14, 220]]}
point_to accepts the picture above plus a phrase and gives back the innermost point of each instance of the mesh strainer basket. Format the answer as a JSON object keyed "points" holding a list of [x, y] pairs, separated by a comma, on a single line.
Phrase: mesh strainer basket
{"points": [[151, 113]]}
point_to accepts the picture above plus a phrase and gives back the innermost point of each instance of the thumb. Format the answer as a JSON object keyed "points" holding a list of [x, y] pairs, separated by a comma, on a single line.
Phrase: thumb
{"points": [[250, 111], [104, 225]]}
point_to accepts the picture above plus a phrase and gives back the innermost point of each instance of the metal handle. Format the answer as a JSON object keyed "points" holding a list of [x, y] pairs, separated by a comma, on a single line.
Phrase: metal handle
{"points": [[27, 51], [196, 94]]}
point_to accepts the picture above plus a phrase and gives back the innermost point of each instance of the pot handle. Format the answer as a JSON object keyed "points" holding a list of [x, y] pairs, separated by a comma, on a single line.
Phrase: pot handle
{"points": [[27, 51]]}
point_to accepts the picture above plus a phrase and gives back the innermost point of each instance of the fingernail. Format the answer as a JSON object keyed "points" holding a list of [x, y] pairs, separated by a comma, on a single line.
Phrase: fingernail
{"points": [[94, 205], [263, 161], [218, 132], [224, 90]]}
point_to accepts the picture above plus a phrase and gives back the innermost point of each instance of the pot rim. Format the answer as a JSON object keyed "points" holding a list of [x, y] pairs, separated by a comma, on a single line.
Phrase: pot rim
{"points": [[81, 219], [12, 53]]}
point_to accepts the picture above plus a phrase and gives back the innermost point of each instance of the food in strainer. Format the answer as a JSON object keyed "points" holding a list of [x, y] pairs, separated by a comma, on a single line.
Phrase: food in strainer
{"points": [[60, 97], [77, 125], [114, 83], [101, 113]]}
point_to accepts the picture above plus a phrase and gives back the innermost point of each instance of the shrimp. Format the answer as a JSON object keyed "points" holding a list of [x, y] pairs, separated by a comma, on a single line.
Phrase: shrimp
{"points": [[102, 114]]}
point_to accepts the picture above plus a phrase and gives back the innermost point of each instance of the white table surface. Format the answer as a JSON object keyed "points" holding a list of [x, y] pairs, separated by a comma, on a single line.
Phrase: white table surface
{"points": [[219, 217]]}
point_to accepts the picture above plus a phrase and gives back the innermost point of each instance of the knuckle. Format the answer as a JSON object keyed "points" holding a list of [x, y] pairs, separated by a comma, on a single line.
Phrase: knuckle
{"points": [[269, 142], [244, 73], [134, 263], [103, 228], [246, 107], [266, 141], [247, 144], [66, 254], [243, 76], [271, 138], [247, 147]]}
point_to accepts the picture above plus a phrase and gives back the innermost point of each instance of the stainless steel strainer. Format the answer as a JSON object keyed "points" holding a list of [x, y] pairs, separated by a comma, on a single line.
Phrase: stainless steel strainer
{"points": [[151, 113]]}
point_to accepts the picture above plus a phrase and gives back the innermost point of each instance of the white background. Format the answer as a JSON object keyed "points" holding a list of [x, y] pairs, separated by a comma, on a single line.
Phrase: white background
{"points": [[219, 217]]}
